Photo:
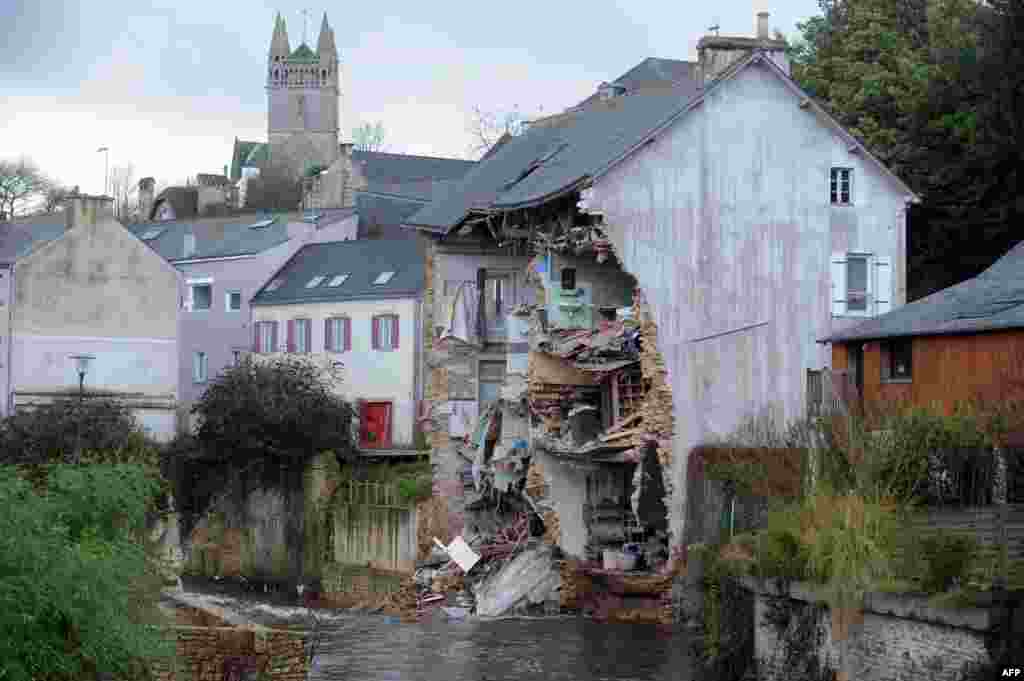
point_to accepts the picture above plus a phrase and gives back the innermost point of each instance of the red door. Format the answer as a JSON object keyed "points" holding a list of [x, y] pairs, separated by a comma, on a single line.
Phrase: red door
{"points": [[376, 425]]}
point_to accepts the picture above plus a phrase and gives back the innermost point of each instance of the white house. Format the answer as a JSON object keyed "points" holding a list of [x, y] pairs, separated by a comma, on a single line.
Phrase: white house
{"points": [[354, 306]]}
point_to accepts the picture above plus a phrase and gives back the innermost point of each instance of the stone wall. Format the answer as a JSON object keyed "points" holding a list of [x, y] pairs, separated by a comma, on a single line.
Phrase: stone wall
{"points": [[896, 637], [203, 653]]}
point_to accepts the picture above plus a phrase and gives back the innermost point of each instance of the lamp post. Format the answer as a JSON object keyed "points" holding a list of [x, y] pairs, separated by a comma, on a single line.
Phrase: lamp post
{"points": [[82, 368], [106, 167]]}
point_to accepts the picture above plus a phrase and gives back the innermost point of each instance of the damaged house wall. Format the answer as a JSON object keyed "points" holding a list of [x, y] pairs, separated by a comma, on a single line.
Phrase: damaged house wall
{"points": [[725, 219]]}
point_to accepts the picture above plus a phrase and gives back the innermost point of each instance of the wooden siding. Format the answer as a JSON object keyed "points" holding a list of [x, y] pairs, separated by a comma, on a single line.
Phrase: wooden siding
{"points": [[372, 526], [947, 370]]}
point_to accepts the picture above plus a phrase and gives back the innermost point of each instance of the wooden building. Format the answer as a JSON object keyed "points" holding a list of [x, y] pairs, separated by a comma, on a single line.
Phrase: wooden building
{"points": [[960, 344]]}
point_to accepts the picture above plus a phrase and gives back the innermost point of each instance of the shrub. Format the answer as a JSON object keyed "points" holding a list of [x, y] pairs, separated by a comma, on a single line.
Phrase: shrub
{"points": [[946, 559]]}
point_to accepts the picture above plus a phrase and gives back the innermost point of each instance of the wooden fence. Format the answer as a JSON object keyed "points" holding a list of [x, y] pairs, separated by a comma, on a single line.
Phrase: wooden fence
{"points": [[830, 392], [373, 526]]}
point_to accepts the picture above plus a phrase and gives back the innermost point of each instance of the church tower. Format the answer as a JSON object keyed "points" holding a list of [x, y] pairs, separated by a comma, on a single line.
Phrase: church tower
{"points": [[302, 100]]}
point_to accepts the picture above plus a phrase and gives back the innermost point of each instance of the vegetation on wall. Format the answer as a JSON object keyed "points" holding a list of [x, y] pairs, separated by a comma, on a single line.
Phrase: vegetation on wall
{"points": [[258, 420]]}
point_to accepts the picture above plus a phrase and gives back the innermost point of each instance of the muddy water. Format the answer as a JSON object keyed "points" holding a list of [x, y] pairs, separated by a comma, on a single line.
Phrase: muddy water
{"points": [[376, 648]]}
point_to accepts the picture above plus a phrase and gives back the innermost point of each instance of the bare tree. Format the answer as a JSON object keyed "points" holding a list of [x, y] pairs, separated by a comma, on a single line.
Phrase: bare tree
{"points": [[487, 127], [54, 197], [123, 189], [20, 181], [369, 137]]}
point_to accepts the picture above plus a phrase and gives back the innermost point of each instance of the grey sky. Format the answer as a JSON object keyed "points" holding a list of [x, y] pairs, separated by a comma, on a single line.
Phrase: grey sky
{"points": [[169, 85]]}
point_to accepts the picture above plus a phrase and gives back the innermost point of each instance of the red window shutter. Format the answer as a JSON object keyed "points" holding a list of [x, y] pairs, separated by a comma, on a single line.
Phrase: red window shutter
{"points": [[273, 337], [291, 335], [347, 323], [394, 331], [256, 337], [328, 332], [376, 333]]}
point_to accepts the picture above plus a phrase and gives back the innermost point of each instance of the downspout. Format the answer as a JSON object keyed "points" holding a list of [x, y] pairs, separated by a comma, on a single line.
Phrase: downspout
{"points": [[10, 343]]}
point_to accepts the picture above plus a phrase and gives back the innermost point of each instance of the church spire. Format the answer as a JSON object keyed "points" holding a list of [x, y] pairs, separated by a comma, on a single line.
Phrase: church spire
{"points": [[279, 43], [325, 44]]}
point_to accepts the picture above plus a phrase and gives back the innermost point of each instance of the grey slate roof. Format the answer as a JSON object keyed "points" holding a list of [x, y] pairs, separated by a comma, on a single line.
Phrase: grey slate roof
{"points": [[19, 238], [381, 216], [554, 157], [408, 175], [363, 260], [223, 236], [991, 301]]}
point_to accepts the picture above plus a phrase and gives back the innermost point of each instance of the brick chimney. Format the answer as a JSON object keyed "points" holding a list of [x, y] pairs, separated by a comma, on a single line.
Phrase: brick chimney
{"points": [[85, 209]]}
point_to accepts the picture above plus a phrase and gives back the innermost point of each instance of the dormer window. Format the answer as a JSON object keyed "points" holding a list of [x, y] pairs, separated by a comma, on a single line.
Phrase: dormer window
{"points": [[383, 278]]}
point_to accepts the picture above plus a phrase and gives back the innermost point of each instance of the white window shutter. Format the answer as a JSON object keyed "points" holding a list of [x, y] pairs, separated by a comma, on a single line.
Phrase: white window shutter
{"points": [[189, 299], [838, 284], [883, 284]]}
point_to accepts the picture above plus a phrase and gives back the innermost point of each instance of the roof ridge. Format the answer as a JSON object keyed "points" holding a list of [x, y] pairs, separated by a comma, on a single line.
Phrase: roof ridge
{"points": [[434, 158]]}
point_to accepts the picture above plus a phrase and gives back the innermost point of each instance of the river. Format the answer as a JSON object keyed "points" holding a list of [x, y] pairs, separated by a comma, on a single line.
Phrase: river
{"points": [[362, 647]]}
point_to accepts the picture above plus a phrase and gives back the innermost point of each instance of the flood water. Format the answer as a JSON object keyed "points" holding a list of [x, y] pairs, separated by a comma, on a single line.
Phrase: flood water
{"points": [[361, 647]]}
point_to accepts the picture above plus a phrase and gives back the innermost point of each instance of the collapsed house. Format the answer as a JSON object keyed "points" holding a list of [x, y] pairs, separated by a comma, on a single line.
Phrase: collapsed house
{"points": [[631, 278]]}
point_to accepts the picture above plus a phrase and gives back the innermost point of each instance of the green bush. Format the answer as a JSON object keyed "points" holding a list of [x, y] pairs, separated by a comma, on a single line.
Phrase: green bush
{"points": [[76, 585], [946, 559], [415, 489]]}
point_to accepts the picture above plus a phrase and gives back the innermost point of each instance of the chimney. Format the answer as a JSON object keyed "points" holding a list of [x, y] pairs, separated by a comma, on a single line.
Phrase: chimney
{"points": [[146, 187], [84, 209], [762, 26]]}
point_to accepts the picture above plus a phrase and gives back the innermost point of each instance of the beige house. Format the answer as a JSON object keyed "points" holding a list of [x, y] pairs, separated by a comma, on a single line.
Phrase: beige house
{"points": [[354, 308], [79, 283]]}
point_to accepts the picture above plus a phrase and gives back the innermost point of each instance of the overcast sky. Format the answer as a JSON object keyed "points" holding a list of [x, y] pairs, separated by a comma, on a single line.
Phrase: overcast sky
{"points": [[167, 85]]}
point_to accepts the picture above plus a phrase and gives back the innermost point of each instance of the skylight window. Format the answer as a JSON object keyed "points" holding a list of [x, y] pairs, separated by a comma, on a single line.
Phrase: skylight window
{"points": [[262, 223], [383, 278], [276, 284], [338, 280], [311, 218], [152, 234], [315, 281]]}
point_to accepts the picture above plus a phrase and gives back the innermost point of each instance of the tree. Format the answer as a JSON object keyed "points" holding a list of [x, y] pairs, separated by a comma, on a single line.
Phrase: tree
{"points": [[20, 181], [369, 137], [123, 189], [280, 411], [276, 188], [76, 585], [54, 197], [487, 127], [59, 432]]}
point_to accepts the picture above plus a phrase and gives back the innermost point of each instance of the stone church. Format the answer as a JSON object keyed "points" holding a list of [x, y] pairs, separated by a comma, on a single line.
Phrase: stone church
{"points": [[303, 137]]}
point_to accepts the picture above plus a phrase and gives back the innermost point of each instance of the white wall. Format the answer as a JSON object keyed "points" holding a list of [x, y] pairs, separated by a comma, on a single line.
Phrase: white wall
{"points": [[726, 222], [367, 374]]}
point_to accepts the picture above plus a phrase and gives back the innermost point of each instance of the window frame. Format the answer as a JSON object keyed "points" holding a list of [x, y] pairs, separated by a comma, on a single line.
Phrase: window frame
{"points": [[891, 351], [295, 327], [227, 300], [835, 193], [375, 334], [200, 367], [271, 346], [346, 335], [190, 298], [867, 259]]}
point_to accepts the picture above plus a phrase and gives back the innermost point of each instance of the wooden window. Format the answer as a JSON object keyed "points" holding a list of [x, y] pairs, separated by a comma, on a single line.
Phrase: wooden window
{"points": [[200, 296], [627, 393], [857, 283], [265, 337], [862, 284], [385, 332], [337, 334], [300, 332], [233, 301], [840, 186], [897, 359]]}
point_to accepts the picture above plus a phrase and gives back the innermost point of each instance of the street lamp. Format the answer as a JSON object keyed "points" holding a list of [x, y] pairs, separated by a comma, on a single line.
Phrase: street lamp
{"points": [[106, 167], [82, 367]]}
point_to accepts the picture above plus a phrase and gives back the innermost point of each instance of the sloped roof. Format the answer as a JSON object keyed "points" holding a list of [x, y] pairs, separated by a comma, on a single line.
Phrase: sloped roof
{"points": [[991, 301], [363, 261], [407, 174], [215, 237], [382, 216], [550, 159], [303, 53], [20, 237], [652, 72], [571, 149], [184, 200]]}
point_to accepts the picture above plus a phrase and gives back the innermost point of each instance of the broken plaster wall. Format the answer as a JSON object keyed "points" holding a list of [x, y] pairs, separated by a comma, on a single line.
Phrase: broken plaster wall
{"points": [[726, 222]]}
